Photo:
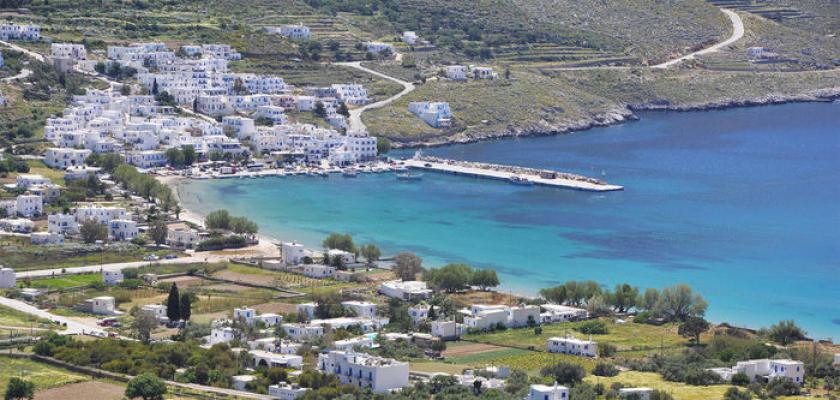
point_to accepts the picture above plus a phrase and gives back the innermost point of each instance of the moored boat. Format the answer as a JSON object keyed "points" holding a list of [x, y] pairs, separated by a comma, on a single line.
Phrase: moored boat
{"points": [[520, 180]]}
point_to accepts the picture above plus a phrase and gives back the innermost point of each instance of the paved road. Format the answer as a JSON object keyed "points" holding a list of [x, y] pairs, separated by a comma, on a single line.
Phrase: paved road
{"points": [[356, 123], [737, 34], [73, 327], [30, 53], [117, 266], [21, 75]]}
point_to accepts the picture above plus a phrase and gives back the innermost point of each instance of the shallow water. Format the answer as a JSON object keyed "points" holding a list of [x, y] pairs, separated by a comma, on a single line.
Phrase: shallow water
{"points": [[742, 204]]}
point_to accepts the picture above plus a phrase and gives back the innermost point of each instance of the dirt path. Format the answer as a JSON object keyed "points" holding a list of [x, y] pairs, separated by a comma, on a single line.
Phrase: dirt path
{"points": [[356, 123], [84, 390]]}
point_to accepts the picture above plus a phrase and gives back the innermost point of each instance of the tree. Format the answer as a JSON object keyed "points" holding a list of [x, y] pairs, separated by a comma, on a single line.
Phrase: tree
{"points": [[189, 154], [146, 386], [605, 369], [174, 157], [158, 230], [242, 225], [320, 111], [239, 87], [555, 294], [144, 323], [340, 241], [485, 279], [342, 110], [370, 252], [734, 394], [786, 332], [91, 231], [20, 389], [219, 219], [125, 90], [692, 327], [565, 373], [679, 302], [450, 277], [383, 145], [650, 299], [407, 266], [624, 297], [173, 304], [155, 91], [185, 306]]}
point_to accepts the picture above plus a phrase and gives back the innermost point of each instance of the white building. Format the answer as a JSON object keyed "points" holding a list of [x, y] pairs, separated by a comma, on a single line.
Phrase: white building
{"points": [[572, 346], [64, 224], [104, 305], [554, 313], [418, 312], [293, 32], [436, 114], [446, 330], [122, 229], [318, 271], [307, 309], [20, 32], [485, 317], [366, 325], [363, 309], [346, 256], [286, 391], [642, 393], [456, 72], [274, 113], [28, 205], [292, 253], [303, 331], [405, 290], [765, 370], [238, 382], [112, 277], [409, 37], [70, 51], [351, 93], [8, 279], [379, 47], [220, 334], [147, 158], [484, 73], [100, 214], [365, 371], [243, 127], [520, 316], [61, 158], [25, 181], [837, 359], [158, 310], [181, 236], [42, 238], [545, 392], [352, 343]]}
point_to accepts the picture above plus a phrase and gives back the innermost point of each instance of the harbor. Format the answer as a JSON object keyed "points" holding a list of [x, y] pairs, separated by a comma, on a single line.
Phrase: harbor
{"points": [[513, 174]]}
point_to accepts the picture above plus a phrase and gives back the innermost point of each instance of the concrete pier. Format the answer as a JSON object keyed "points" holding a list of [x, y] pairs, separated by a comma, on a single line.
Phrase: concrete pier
{"points": [[502, 172]]}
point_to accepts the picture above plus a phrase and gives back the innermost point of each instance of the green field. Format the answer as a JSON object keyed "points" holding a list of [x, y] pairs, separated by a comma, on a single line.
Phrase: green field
{"points": [[66, 281], [20, 254], [42, 375], [12, 318], [626, 337]]}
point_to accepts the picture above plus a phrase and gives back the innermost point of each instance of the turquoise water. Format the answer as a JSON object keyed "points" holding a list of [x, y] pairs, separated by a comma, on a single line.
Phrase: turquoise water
{"points": [[742, 204]]}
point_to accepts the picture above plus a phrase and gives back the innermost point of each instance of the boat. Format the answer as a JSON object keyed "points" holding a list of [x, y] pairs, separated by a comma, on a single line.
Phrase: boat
{"points": [[520, 180], [408, 176], [350, 173], [323, 174]]}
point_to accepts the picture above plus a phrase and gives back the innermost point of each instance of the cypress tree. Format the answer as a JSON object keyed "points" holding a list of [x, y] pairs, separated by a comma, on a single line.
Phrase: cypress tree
{"points": [[185, 307], [173, 311]]}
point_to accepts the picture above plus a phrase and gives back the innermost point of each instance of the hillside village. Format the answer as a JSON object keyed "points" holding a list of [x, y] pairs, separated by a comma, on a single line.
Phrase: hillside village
{"points": [[108, 284]]}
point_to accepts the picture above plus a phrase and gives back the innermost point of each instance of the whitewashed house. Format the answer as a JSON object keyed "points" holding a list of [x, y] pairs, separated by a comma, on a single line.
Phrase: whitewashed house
{"points": [[409, 37], [765, 370], [112, 277], [100, 214], [158, 310], [405, 290], [302, 331], [640, 393], [46, 238], [456, 72], [63, 224], [286, 391], [69, 51], [307, 309], [105, 305], [346, 256], [520, 316], [146, 158], [418, 312], [365, 371], [8, 278], [28, 205], [446, 330], [379, 47], [19, 32], [436, 114], [363, 309], [545, 392], [351, 93], [484, 73], [243, 127], [293, 32], [25, 181], [61, 158], [181, 236], [318, 271], [554, 313], [122, 229], [572, 346], [292, 253], [220, 334]]}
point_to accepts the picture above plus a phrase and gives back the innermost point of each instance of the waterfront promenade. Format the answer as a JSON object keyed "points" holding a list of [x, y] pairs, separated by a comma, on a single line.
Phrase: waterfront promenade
{"points": [[502, 172]]}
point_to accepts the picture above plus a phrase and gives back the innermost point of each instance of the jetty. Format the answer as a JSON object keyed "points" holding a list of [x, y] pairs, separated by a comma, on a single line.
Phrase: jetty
{"points": [[510, 173]]}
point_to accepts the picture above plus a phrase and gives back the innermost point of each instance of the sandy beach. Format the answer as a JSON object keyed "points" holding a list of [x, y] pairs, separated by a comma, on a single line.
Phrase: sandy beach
{"points": [[266, 246]]}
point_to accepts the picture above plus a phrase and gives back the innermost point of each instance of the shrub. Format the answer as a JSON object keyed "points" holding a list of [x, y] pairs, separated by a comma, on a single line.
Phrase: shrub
{"points": [[606, 350], [740, 379], [699, 377], [564, 373], [734, 394], [593, 327], [604, 369]]}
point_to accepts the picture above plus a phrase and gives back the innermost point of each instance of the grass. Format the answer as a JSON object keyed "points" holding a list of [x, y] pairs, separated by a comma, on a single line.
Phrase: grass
{"points": [[42, 375], [20, 254], [38, 167], [10, 317], [626, 337], [652, 380], [65, 281]]}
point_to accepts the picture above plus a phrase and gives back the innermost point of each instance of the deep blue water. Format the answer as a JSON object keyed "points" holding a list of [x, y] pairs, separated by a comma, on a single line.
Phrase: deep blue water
{"points": [[741, 204]]}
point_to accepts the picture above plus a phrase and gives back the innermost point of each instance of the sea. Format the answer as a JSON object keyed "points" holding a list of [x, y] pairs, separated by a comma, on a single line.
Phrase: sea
{"points": [[741, 204]]}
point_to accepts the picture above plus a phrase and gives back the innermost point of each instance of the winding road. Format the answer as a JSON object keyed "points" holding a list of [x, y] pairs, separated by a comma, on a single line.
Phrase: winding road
{"points": [[73, 327], [737, 34], [356, 123]]}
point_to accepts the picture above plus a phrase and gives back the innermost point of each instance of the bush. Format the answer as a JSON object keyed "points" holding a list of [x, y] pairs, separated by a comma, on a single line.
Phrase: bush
{"points": [[604, 369], [699, 377], [606, 350], [735, 394], [564, 373], [220, 243], [782, 387], [593, 327], [740, 379]]}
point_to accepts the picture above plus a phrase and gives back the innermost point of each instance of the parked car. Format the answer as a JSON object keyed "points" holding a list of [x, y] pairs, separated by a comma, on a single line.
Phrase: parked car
{"points": [[170, 256], [152, 257]]}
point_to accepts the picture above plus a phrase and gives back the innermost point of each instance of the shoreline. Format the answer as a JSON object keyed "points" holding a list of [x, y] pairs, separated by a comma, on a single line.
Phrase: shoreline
{"points": [[626, 114]]}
